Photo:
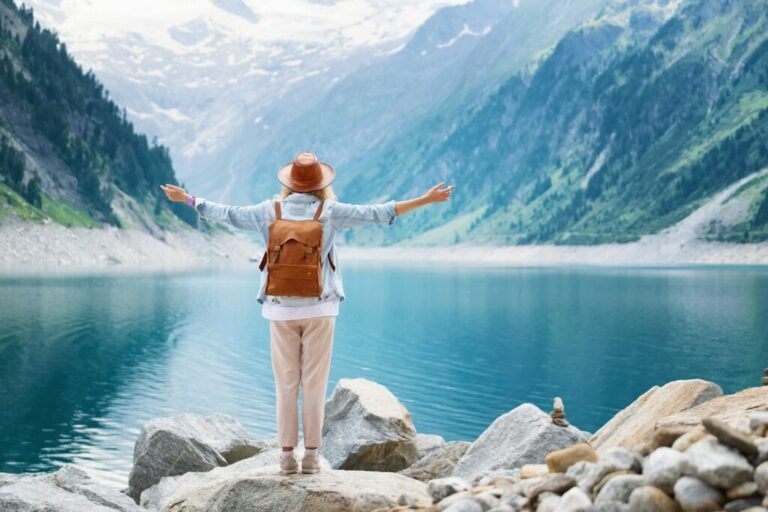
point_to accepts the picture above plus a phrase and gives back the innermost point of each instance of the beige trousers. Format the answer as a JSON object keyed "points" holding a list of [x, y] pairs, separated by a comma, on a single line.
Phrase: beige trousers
{"points": [[301, 355]]}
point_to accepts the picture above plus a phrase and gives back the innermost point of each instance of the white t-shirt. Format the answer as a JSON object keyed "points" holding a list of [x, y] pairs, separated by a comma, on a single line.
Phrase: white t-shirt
{"points": [[277, 312]]}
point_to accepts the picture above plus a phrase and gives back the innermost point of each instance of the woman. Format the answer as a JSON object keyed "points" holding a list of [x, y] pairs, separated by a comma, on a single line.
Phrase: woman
{"points": [[301, 328]]}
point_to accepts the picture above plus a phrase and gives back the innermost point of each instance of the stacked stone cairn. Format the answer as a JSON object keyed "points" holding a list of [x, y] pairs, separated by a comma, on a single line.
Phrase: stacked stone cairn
{"points": [[558, 413], [710, 467]]}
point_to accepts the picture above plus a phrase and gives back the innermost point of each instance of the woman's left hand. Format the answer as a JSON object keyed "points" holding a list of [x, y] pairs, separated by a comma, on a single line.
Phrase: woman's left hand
{"points": [[438, 195]]}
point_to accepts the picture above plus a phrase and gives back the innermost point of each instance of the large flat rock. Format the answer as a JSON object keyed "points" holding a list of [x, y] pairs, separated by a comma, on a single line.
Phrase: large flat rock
{"points": [[632, 426], [255, 485], [67, 490], [727, 408]]}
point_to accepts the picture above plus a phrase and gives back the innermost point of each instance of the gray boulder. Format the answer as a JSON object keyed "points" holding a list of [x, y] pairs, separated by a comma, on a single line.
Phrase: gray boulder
{"points": [[524, 435], [184, 443], [67, 490], [255, 485], [438, 462], [366, 427], [428, 442], [718, 465]]}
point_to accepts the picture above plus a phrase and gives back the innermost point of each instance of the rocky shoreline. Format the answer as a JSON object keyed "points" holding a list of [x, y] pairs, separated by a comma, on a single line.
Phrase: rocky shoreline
{"points": [[683, 446], [28, 248], [43, 249]]}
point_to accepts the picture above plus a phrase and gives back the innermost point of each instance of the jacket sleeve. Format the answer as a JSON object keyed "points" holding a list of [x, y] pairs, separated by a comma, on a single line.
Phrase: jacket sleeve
{"points": [[243, 217], [345, 215]]}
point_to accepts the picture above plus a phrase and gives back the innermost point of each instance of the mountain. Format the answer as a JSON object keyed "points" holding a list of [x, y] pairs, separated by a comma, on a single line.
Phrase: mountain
{"points": [[560, 121], [631, 122], [67, 151], [457, 57], [202, 75]]}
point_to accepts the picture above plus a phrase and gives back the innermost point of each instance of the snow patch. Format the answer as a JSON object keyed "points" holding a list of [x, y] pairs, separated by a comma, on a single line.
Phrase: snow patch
{"points": [[173, 114], [596, 166], [465, 31]]}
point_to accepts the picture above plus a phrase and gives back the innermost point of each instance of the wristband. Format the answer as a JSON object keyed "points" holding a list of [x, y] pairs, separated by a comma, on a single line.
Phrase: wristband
{"points": [[190, 200]]}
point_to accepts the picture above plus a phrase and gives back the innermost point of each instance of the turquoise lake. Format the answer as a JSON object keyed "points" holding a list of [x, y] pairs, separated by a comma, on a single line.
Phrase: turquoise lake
{"points": [[85, 361]]}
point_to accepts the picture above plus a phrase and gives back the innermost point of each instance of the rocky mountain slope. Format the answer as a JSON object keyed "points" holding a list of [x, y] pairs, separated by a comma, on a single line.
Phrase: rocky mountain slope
{"points": [[67, 151]]}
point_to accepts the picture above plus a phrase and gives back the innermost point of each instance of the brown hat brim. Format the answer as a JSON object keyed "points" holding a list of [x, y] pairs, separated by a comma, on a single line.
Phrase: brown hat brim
{"points": [[284, 176]]}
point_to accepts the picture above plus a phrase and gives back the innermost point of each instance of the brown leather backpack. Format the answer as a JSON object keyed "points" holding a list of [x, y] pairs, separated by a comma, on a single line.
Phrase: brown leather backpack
{"points": [[293, 255]]}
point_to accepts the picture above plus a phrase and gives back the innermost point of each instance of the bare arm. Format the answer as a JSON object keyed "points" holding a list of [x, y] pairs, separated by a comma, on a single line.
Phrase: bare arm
{"points": [[433, 195]]}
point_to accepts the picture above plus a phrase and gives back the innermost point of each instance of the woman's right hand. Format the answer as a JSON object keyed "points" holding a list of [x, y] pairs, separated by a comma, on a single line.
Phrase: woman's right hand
{"points": [[174, 193]]}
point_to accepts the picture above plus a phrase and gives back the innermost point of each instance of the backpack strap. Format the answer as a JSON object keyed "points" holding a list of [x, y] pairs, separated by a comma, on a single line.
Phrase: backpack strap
{"points": [[318, 211], [278, 211], [263, 261]]}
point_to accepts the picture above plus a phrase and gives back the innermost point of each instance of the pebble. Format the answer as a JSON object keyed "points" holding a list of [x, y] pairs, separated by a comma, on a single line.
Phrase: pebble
{"points": [[487, 499], [560, 460], [440, 488], [617, 459], [548, 502], [686, 440], [608, 477], [745, 490], [695, 495], [664, 437], [613, 506], [533, 471], [716, 464], [762, 452], [651, 499], [742, 504], [529, 484], [761, 477], [758, 419], [558, 484], [729, 436], [464, 505], [503, 508], [662, 468], [619, 488], [573, 500]]}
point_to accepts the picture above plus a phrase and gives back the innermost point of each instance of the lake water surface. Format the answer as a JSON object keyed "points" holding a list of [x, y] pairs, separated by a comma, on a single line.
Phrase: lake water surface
{"points": [[85, 361]]}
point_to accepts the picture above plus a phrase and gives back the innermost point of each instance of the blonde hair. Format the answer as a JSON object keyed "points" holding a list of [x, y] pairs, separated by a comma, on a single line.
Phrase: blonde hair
{"points": [[324, 194]]}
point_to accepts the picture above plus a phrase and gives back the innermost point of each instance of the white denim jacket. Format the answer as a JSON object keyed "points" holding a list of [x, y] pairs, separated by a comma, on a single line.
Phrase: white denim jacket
{"points": [[297, 206]]}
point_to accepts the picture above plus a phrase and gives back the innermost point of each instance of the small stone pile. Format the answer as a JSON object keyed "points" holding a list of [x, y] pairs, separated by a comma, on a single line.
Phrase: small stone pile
{"points": [[558, 413], [712, 466]]}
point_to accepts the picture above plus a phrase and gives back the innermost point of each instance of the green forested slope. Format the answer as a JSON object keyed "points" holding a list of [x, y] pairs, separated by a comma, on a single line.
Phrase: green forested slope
{"points": [[625, 127], [67, 151]]}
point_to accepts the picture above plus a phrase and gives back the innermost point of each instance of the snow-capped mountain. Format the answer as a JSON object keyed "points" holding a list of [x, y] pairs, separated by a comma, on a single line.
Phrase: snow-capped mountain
{"points": [[200, 73]]}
